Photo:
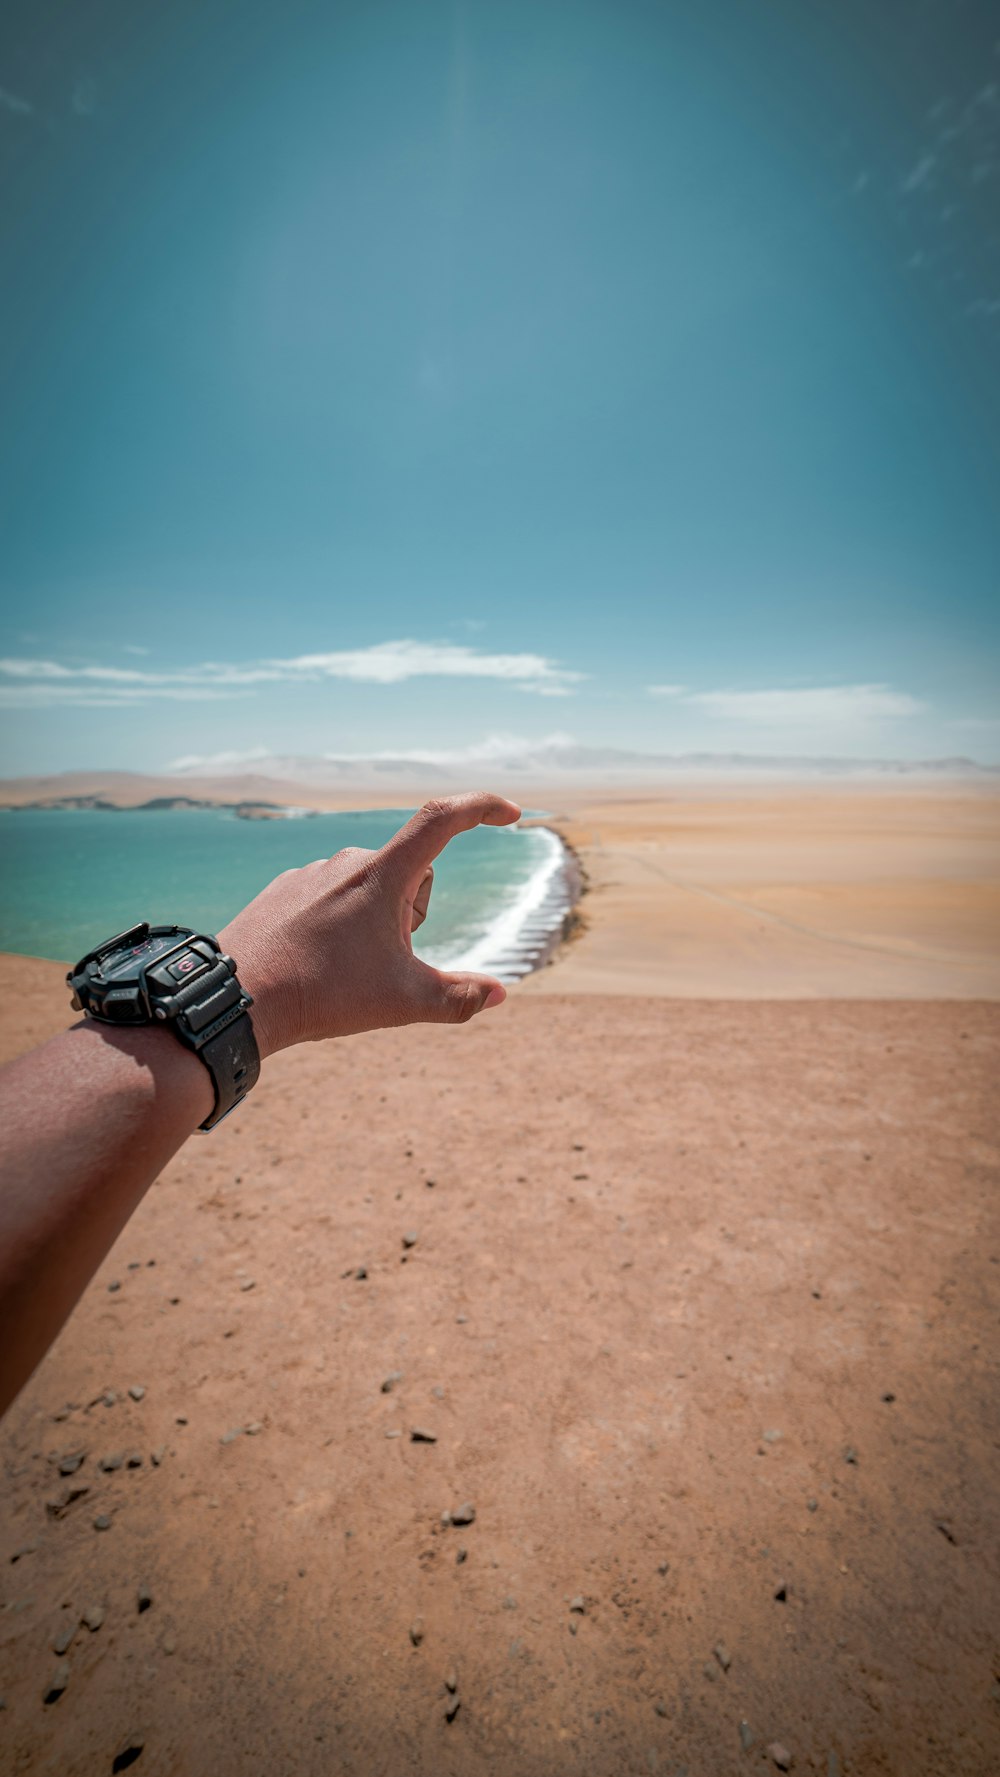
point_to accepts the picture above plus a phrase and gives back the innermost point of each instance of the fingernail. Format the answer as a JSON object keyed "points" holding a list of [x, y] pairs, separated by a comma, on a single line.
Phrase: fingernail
{"points": [[495, 997]]}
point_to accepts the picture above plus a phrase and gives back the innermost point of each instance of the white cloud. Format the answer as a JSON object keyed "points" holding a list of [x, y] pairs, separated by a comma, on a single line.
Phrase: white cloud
{"points": [[11, 102], [827, 706], [919, 174], [213, 761], [385, 663], [666, 690]]}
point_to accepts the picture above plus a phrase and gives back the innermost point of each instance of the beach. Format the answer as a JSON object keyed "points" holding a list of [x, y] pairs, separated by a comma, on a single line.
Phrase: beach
{"points": [[683, 1266]]}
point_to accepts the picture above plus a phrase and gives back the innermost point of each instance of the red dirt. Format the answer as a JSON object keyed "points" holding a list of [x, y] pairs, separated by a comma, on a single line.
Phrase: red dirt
{"points": [[671, 1229]]}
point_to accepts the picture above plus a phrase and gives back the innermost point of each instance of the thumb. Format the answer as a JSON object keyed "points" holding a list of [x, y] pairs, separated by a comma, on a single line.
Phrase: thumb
{"points": [[455, 998]]}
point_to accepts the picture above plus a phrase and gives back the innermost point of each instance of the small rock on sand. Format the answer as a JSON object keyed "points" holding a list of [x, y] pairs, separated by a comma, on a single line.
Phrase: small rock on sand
{"points": [[57, 1683], [134, 1459], [451, 1680], [137, 1391], [61, 1641], [578, 1603], [389, 1382], [463, 1514], [248, 1283], [420, 1435], [69, 1463], [410, 1238], [780, 1755], [851, 1456], [461, 1555], [92, 1617], [143, 1599], [723, 1655], [417, 1631], [452, 1709], [109, 1463], [747, 1740], [156, 1456], [102, 1521]]}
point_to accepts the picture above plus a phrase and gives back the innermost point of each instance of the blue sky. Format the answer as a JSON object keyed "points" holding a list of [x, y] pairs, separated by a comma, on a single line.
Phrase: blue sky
{"points": [[385, 377]]}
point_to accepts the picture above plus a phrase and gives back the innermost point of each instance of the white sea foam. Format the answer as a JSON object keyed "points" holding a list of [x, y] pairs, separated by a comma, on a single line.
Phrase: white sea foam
{"points": [[523, 930]]}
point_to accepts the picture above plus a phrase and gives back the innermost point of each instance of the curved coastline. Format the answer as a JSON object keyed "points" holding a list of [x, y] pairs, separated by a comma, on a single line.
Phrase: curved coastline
{"points": [[527, 933]]}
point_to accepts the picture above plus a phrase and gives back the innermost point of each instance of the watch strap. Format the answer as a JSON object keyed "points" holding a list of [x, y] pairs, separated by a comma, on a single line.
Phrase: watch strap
{"points": [[233, 1060]]}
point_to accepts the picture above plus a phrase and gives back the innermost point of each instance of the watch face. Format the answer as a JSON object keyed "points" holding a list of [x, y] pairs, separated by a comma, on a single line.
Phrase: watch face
{"points": [[125, 964]]}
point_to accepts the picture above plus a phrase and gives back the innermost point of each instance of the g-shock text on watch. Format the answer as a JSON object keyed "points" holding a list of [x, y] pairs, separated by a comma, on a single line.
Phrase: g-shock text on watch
{"points": [[179, 978]]}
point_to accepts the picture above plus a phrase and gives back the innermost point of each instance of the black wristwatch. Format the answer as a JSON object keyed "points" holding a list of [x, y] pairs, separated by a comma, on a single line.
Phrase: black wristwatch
{"points": [[173, 976]]}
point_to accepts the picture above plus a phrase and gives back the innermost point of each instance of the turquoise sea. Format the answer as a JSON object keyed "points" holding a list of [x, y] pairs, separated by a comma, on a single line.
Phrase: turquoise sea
{"points": [[70, 878]]}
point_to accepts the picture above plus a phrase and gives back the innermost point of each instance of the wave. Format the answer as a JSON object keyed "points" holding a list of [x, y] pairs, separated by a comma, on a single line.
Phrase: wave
{"points": [[524, 932]]}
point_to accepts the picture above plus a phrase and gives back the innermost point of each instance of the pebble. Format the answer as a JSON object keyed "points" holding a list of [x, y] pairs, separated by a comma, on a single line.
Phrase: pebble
{"points": [[170, 1644], [460, 1556], [109, 1397], [452, 1709], [394, 1434], [417, 1631], [661, 1708], [143, 1599], [888, 1399], [22, 1550], [812, 1505], [771, 1437], [69, 1464], [137, 1391], [102, 1522], [59, 1506], [419, 1435], [57, 1683], [361, 1273], [129, 1750], [451, 1680], [92, 1617], [664, 1567], [781, 1594], [438, 1393], [578, 1603], [109, 1463], [463, 1514], [156, 1456], [389, 1382], [112, 1287], [229, 1437], [709, 1671], [723, 1655], [410, 1238], [133, 1459], [61, 1641], [135, 1264], [746, 1736], [254, 1429], [851, 1455], [510, 1602], [573, 1625], [461, 1319], [780, 1755], [248, 1284], [181, 1419]]}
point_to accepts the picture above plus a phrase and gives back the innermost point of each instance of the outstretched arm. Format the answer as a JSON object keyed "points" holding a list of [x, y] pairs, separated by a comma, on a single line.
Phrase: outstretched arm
{"points": [[89, 1120]]}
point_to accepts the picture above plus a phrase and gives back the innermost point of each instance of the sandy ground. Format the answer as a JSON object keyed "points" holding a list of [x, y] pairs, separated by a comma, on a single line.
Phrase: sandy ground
{"points": [[701, 1312], [788, 895]]}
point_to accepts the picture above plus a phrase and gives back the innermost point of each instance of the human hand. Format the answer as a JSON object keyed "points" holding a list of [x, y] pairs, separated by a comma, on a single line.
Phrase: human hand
{"points": [[326, 952]]}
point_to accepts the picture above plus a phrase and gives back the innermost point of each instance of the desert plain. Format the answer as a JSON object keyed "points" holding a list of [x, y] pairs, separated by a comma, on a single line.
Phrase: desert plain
{"points": [[607, 1387]]}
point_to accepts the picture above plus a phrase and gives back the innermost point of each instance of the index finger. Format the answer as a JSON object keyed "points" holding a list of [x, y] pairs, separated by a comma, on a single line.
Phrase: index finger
{"points": [[428, 831]]}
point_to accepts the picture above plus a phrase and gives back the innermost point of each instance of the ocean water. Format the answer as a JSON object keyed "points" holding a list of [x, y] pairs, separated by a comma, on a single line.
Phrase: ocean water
{"points": [[70, 878]]}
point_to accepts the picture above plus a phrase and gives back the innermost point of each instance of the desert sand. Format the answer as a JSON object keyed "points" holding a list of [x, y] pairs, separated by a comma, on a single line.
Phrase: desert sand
{"points": [[695, 1295]]}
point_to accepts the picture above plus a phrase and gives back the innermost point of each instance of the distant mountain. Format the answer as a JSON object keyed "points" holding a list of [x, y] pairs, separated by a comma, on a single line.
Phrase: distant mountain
{"points": [[551, 760]]}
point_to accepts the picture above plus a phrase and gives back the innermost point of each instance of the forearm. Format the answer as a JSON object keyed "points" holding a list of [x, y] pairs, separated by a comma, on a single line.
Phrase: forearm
{"points": [[86, 1124]]}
